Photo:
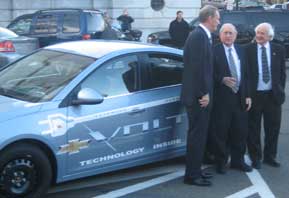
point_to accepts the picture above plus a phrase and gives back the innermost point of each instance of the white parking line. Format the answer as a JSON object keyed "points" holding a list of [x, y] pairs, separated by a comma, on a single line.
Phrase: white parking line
{"points": [[141, 186], [259, 186]]}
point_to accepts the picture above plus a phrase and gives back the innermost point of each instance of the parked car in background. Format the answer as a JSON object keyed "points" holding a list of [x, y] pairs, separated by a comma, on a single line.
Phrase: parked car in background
{"points": [[248, 4], [82, 108], [13, 46], [276, 6], [285, 6], [245, 22], [60, 25]]}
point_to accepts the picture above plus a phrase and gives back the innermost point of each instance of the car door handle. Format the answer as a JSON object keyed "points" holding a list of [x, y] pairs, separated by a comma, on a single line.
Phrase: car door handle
{"points": [[136, 110]]}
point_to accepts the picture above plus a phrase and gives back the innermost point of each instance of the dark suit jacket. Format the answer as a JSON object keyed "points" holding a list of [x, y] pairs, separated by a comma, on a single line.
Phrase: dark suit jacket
{"points": [[198, 67], [278, 71], [222, 92]]}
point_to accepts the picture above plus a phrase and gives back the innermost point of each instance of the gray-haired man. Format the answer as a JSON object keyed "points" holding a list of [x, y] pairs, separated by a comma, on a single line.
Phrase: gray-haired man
{"points": [[267, 64]]}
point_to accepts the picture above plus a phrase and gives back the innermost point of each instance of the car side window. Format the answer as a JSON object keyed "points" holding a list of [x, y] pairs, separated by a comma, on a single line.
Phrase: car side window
{"points": [[163, 70], [22, 26], [116, 77], [277, 20], [71, 23], [236, 18], [95, 22], [46, 23], [257, 18]]}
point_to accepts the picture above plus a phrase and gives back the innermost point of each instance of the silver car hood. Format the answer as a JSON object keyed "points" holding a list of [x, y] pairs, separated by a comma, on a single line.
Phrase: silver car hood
{"points": [[11, 108]]}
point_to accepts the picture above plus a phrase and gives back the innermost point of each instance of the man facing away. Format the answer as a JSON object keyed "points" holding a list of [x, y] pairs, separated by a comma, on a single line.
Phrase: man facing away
{"points": [[231, 101], [196, 92], [179, 30], [267, 66]]}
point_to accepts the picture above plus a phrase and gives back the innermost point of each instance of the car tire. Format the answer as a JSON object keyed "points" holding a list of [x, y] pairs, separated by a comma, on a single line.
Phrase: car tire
{"points": [[25, 172]]}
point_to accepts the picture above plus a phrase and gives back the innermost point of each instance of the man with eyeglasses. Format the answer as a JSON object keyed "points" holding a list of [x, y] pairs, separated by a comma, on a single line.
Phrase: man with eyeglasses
{"points": [[231, 102]]}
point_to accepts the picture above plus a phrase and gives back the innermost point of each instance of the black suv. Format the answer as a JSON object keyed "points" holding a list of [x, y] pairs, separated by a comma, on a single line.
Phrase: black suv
{"points": [[59, 25], [245, 22]]}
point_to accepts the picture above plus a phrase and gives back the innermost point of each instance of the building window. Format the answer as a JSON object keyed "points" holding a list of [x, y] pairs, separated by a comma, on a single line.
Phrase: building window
{"points": [[157, 5]]}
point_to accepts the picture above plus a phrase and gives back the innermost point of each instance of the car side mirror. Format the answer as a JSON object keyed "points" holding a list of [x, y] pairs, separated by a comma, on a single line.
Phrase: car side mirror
{"points": [[87, 96]]}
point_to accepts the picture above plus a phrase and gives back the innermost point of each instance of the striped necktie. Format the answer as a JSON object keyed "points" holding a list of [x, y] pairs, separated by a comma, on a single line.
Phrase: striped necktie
{"points": [[265, 69]]}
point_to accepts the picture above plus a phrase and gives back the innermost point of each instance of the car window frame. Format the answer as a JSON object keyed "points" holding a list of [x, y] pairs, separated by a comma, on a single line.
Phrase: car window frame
{"points": [[58, 22], [61, 28], [145, 72], [72, 94]]}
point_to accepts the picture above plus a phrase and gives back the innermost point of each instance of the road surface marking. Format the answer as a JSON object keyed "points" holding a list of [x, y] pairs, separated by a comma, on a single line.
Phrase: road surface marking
{"points": [[258, 186], [143, 185]]}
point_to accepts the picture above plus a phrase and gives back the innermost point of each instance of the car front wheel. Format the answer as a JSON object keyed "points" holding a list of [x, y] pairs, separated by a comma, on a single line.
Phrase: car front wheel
{"points": [[25, 171]]}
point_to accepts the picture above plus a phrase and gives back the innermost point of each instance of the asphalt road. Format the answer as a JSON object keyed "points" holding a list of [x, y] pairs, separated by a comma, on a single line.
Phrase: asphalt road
{"points": [[164, 179]]}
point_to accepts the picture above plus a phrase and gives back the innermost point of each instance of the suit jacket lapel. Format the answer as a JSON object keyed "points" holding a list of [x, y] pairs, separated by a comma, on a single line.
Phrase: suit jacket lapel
{"points": [[225, 61], [254, 55], [273, 55], [240, 57], [273, 59]]}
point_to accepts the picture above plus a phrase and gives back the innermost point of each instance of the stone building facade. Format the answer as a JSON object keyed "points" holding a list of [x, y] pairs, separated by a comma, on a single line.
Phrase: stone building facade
{"points": [[146, 18]]}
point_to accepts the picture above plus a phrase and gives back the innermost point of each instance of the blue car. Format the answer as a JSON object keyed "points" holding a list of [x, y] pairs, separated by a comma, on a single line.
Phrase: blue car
{"points": [[53, 26], [82, 108]]}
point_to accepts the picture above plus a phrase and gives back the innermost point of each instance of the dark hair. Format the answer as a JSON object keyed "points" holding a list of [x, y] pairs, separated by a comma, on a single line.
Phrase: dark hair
{"points": [[179, 11], [206, 12]]}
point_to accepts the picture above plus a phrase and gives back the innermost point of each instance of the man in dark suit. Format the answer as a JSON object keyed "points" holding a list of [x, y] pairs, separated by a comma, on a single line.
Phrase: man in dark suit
{"points": [[179, 30], [267, 64], [197, 91], [231, 101]]}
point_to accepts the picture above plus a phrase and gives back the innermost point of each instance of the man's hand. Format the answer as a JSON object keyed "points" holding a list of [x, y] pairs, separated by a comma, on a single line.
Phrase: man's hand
{"points": [[229, 81], [204, 100], [248, 103]]}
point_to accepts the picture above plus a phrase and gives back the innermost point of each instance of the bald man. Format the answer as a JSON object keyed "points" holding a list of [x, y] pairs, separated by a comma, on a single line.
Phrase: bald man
{"points": [[231, 101], [267, 66]]}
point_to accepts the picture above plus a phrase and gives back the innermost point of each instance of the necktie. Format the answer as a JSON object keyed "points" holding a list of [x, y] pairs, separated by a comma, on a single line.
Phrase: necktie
{"points": [[233, 69], [265, 69]]}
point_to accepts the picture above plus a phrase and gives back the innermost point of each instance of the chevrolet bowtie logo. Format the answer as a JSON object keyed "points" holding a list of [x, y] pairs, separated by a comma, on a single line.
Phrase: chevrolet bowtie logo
{"points": [[73, 146]]}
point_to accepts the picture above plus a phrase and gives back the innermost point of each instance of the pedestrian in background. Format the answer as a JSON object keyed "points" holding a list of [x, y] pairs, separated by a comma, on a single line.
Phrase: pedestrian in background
{"points": [[267, 66], [231, 101], [179, 30], [125, 21], [197, 85]]}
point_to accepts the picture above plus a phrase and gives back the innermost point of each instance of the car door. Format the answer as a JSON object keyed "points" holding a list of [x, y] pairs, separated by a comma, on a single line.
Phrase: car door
{"points": [[70, 27], [109, 135], [161, 85], [46, 28]]}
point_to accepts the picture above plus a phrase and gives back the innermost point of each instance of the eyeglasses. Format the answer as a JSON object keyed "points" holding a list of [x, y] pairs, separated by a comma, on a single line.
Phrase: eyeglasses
{"points": [[228, 33]]}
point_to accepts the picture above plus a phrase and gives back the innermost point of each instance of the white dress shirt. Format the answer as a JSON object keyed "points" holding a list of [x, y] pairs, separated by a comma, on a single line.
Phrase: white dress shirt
{"points": [[207, 31], [262, 86], [236, 60]]}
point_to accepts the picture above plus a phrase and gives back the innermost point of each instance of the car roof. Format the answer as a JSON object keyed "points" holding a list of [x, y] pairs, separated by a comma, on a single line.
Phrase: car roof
{"points": [[99, 48], [67, 10], [253, 11]]}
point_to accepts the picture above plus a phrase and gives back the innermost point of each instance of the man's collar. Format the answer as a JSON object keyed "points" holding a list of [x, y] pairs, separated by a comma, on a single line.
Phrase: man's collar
{"points": [[206, 30], [226, 47], [266, 45]]}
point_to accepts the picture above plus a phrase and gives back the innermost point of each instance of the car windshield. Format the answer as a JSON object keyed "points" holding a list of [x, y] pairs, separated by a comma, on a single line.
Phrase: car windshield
{"points": [[40, 76]]}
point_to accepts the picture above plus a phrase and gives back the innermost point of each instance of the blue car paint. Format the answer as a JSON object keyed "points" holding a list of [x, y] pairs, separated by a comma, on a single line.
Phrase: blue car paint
{"points": [[159, 134]]}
